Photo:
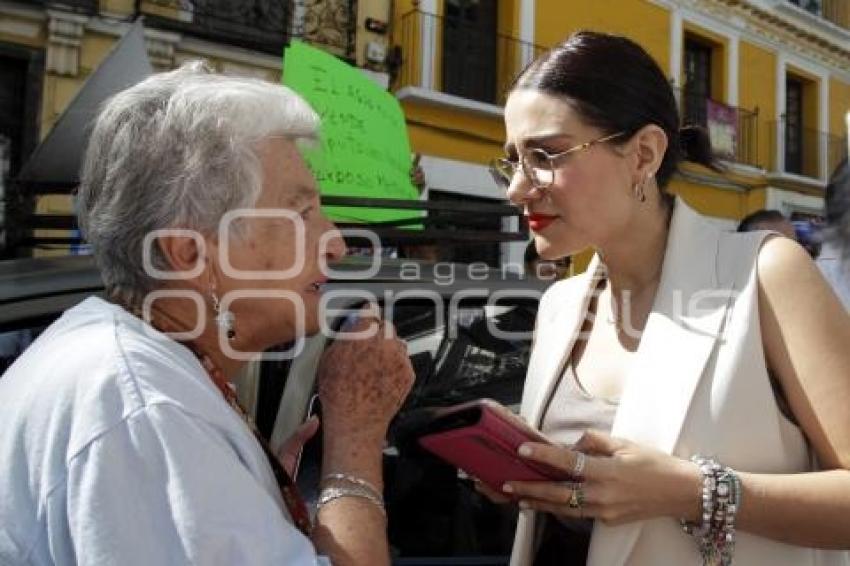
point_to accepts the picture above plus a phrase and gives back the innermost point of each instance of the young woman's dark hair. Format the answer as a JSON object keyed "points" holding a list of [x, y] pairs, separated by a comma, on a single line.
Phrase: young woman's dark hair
{"points": [[616, 86]]}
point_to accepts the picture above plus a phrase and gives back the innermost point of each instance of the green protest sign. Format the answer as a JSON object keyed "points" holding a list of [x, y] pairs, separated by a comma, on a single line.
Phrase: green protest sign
{"points": [[364, 150]]}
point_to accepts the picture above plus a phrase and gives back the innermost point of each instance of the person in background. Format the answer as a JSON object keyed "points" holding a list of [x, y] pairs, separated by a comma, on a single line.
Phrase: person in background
{"points": [[768, 220], [803, 231], [834, 259], [428, 252], [121, 437]]}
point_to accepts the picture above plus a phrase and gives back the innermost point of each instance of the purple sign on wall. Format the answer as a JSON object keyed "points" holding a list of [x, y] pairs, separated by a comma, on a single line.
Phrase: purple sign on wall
{"points": [[723, 128]]}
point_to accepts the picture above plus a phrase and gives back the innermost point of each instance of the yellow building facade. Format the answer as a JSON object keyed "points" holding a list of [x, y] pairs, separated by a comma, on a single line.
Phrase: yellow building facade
{"points": [[49, 49], [778, 75], [770, 78]]}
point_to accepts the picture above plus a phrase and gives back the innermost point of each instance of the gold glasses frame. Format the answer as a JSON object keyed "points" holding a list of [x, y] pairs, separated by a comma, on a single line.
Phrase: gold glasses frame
{"points": [[504, 170]]}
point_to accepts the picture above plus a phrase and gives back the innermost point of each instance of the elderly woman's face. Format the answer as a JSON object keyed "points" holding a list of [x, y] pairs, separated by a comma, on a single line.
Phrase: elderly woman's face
{"points": [[589, 196], [269, 245]]}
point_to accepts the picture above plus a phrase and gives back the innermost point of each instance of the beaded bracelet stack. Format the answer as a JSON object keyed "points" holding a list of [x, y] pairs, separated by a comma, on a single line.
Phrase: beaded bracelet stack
{"points": [[721, 499], [344, 485]]}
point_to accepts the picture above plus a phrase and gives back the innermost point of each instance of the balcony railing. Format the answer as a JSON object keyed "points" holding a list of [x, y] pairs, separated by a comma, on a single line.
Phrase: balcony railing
{"points": [[262, 25], [79, 6], [804, 151], [733, 130], [835, 11], [445, 55]]}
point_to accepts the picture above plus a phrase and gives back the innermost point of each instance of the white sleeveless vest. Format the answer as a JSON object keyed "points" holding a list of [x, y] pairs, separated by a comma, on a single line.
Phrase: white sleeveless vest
{"points": [[699, 385]]}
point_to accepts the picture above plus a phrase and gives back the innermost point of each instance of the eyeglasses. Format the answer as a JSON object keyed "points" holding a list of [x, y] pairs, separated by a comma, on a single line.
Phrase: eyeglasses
{"points": [[537, 165]]}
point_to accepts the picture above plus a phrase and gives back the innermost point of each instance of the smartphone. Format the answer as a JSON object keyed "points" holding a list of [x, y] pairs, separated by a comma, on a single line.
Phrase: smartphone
{"points": [[482, 438]]}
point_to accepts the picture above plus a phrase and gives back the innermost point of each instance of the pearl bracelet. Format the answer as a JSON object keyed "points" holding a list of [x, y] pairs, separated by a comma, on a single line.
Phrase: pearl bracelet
{"points": [[708, 469], [721, 499]]}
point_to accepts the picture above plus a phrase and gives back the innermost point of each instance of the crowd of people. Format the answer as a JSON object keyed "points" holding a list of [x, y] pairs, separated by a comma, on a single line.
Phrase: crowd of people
{"points": [[693, 381]]}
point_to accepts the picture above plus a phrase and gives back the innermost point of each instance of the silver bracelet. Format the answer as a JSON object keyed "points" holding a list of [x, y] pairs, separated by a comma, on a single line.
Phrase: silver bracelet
{"points": [[354, 480], [721, 499], [329, 494], [728, 503], [708, 468]]}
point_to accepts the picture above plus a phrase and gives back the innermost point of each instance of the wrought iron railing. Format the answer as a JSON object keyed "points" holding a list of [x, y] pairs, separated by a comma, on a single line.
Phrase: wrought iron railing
{"points": [[79, 6], [836, 151], [262, 25], [445, 55], [733, 130], [835, 11], [798, 151]]}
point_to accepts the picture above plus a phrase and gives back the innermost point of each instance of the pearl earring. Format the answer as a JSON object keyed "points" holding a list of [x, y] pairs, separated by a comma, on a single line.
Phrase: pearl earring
{"points": [[639, 192], [224, 319]]}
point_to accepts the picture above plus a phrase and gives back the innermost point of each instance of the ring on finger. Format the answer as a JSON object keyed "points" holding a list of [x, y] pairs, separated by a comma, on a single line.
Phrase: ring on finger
{"points": [[576, 498], [578, 467]]}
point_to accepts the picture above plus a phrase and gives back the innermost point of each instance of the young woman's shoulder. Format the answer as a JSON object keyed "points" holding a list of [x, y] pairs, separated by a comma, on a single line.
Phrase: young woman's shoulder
{"points": [[805, 333]]}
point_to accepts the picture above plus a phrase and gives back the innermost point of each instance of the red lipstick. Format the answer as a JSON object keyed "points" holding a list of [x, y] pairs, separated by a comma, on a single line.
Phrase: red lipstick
{"points": [[538, 222]]}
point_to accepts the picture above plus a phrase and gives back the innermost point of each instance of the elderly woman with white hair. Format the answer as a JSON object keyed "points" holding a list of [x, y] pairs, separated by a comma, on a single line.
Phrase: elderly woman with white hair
{"points": [[121, 437]]}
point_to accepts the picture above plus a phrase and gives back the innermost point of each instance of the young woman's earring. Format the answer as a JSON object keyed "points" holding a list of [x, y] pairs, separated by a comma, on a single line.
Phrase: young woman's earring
{"points": [[640, 195]]}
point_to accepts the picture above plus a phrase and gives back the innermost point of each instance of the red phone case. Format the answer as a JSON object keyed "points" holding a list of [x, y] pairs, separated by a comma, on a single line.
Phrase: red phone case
{"points": [[488, 448]]}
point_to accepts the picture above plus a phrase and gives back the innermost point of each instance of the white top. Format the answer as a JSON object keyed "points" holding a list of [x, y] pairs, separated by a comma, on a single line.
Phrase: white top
{"points": [[698, 384], [118, 449], [836, 270]]}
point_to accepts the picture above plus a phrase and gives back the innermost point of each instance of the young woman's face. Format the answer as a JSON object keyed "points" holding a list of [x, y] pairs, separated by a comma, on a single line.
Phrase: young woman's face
{"points": [[590, 199]]}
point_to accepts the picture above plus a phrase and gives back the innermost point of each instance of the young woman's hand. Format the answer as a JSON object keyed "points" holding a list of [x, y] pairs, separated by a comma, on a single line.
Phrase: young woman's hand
{"points": [[622, 481], [494, 496]]}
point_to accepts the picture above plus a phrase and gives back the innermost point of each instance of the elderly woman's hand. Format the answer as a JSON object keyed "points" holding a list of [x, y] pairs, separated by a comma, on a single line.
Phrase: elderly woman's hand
{"points": [[623, 482], [364, 381]]}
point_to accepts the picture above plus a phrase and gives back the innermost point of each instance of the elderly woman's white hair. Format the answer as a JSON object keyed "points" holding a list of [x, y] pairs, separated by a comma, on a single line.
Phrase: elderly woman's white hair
{"points": [[177, 151]]}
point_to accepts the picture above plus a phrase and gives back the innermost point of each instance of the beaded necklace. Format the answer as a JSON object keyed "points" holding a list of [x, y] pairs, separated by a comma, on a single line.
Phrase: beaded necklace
{"points": [[288, 490]]}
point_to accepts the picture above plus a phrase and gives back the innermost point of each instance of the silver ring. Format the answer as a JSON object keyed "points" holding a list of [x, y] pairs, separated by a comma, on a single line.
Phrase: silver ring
{"points": [[578, 467]]}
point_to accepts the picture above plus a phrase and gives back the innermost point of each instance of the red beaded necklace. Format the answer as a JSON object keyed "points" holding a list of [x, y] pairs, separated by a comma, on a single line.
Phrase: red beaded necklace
{"points": [[288, 490]]}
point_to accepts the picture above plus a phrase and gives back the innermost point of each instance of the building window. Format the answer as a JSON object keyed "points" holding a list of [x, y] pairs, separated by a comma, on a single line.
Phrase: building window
{"points": [[261, 25], [21, 72], [13, 75], [698, 87], [813, 6], [793, 125], [469, 49]]}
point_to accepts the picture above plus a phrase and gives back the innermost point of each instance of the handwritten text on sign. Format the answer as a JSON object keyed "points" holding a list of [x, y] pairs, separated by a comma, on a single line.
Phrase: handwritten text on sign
{"points": [[364, 149]]}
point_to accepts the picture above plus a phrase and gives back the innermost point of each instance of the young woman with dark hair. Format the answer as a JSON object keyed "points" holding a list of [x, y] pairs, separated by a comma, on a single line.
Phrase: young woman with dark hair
{"points": [[711, 365]]}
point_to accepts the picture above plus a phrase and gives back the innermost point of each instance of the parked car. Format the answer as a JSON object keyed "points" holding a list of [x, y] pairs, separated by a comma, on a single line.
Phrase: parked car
{"points": [[468, 331]]}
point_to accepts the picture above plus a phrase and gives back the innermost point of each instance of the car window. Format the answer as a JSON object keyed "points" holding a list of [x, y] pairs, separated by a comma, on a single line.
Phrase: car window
{"points": [[15, 339], [434, 512]]}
